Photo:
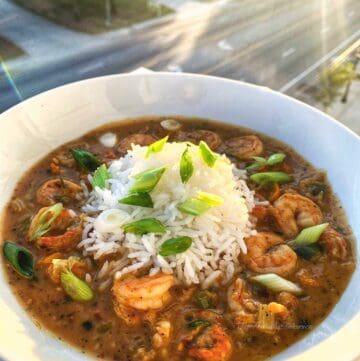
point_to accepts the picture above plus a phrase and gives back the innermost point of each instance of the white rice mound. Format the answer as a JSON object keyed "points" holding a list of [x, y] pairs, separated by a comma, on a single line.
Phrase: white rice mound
{"points": [[217, 235]]}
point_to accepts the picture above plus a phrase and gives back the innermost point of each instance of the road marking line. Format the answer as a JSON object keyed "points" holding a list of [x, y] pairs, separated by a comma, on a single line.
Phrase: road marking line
{"points": [[224, 45], [91, 67], [288, 52], [313, 67], [8, 18]]}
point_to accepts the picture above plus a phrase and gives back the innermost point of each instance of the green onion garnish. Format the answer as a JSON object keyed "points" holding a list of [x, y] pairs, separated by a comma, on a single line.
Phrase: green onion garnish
{"points": [[276, 283], [270, 177], [275, 158], [200, 203], [207, 154], [43, 222], [193, 206], [310, 235], [100, 177], [86, 160], [175, 245], [156, 147], [186, 166], [21, 259], [76, 288], [259, 162], [147, 180], [138, 199], [307, 252], [211, 199], [198, 322], [143, 226], [317, 190]]}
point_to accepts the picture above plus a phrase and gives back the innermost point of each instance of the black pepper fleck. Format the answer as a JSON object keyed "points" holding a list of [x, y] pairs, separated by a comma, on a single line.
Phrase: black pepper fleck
{"points": [[87, 325]]}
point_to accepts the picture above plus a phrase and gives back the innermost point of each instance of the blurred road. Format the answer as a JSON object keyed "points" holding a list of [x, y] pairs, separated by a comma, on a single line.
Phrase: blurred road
{"points": [[276, 43]]}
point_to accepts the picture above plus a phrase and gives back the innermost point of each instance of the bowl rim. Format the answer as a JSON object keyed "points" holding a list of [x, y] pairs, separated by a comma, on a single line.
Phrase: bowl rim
{"points": [[185, 75]]}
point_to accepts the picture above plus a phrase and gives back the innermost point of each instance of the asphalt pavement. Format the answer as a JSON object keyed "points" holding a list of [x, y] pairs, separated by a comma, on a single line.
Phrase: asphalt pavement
{"points": [[276, 43]]}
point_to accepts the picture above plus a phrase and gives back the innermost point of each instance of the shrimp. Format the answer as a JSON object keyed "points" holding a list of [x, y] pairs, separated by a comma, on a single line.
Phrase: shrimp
{"points": [[162, 336], [249, 313], [57, 190], [137, 139], [55, 264], [66, 222], [287, 299], [133, 297], [307, 279], [292, 212], [241, 305], [334, 244], [212, 139], [245, 147], [142, 354], [214, 344], [267, 253], [131, 316], [62, 242]]}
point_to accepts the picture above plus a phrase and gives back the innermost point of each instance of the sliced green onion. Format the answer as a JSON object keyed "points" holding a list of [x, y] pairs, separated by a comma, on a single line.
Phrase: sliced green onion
{"points": [[147, 180], [86, 160], [193, 206], [276, 283], [259, 162], [156, 147], [270, 177], [198, 322], [21, 259], [310, 235], [317, 190], [307, 252], [199, 204], [76, 288], [186, 166], [111, 220], [44, 221], [175, 245], [275, 158], [143, 226], [138, 199], [100, 177], [207, 154], [211, 199]]}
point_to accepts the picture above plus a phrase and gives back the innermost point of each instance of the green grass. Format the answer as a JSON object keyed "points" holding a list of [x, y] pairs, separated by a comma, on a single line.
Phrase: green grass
{"points": [[9, 50], [332, 82], [89, 15]]}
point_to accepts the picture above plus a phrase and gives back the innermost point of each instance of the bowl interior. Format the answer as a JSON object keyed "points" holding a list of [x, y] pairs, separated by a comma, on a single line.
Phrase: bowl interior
{"points": [[30, 130]]}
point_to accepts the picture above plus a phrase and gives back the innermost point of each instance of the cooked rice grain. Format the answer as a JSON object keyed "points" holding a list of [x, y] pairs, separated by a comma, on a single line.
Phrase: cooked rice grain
{"points": [[218, 234]]}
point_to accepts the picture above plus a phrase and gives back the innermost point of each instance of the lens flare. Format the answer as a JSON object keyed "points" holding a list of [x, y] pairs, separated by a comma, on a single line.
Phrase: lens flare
{"points": [[10, 79]]}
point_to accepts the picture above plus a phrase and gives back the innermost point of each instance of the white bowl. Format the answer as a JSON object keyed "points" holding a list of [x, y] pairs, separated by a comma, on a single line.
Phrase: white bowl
{"points": [[33, 128]]}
